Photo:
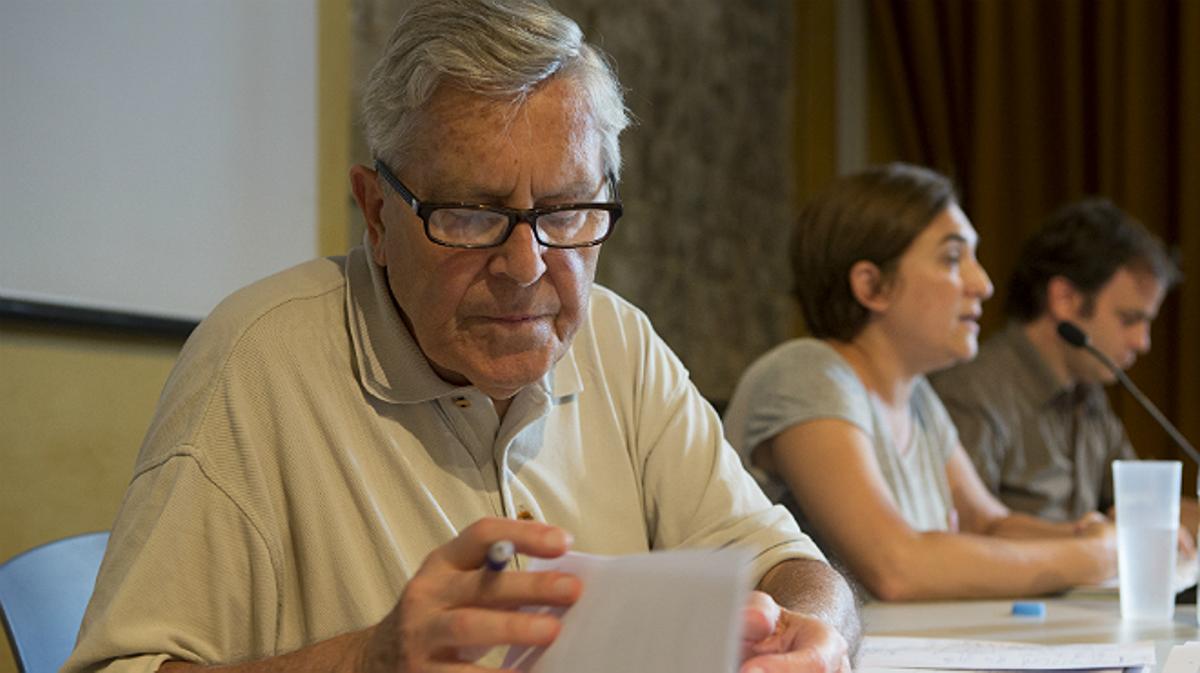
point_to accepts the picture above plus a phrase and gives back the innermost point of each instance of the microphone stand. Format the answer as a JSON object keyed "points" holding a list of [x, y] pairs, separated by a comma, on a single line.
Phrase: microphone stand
{"points": [[1073, 338]]}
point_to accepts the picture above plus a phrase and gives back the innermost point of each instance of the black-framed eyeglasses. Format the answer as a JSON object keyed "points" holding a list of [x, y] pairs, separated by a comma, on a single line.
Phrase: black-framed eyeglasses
{"points": [[477, 225]]}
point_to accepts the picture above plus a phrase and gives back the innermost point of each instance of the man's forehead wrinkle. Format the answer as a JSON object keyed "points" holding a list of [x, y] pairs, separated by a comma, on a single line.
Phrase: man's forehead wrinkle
{"points": [[461, 126], [450, 138]]}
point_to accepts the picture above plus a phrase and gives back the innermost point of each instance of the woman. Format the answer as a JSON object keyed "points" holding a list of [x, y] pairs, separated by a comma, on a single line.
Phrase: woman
{"points": [[845, 429]]}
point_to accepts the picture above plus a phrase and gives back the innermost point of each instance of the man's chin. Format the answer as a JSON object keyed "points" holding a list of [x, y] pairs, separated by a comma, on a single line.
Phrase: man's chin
{"points": [[502, 375], [1103, 376]]}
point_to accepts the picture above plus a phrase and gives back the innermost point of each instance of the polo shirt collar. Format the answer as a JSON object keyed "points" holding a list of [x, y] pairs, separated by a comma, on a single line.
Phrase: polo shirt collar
{"points": [[1039, 382], [390, 365]]}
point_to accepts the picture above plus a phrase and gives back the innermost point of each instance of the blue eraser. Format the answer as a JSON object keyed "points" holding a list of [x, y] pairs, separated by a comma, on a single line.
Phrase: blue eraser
{"points": [[1029, 609]]}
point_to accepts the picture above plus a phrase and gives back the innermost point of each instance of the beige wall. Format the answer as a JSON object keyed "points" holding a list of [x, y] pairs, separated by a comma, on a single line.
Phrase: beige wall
{"points": [[74, 404]]}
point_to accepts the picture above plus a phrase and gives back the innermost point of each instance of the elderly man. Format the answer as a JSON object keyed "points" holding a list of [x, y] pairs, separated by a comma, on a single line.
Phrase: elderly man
{"points": [[341, 443], [1031, 410]]}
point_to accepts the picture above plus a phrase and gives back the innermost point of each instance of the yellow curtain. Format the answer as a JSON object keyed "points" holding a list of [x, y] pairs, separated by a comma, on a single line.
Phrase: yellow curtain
{"points": [[1029, 104]]}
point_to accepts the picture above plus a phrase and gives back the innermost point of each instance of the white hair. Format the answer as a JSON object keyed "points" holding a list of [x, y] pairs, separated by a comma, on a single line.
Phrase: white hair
{"points": [[501, 49]]}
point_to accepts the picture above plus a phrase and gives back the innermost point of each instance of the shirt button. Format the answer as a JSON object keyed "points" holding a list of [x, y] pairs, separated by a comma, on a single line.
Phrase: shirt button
{"points": [[462, 402]]}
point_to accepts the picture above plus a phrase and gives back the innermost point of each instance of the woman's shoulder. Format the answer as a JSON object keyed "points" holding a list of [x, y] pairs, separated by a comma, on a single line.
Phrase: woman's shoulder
{"points": [[806, 352], [805, 371], [796, 382]]}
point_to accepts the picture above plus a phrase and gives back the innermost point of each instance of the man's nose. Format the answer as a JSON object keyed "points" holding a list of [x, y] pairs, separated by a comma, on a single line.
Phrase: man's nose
{"points": [[520, 257], [1141, 337]]}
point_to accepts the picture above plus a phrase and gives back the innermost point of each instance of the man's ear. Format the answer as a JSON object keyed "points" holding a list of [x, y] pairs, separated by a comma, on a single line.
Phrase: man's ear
{"points": [[1063, 299], [369, 196], [869, 287]]}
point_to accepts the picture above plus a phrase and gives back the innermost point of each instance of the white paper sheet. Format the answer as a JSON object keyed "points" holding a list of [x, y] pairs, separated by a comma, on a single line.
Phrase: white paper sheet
{"points": [[1183, 659], [877, 669], [666, 612], [891, 652]]}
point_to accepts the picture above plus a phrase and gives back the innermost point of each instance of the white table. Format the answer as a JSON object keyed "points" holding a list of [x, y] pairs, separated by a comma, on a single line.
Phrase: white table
{"points": [[1068, 620]]}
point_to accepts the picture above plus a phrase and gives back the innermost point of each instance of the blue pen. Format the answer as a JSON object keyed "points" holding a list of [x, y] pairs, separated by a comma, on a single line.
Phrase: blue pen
{"points": [[499, 554]]}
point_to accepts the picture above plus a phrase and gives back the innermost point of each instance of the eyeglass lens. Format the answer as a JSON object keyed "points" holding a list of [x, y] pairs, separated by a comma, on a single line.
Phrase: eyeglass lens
{"points": [[465, 226]]}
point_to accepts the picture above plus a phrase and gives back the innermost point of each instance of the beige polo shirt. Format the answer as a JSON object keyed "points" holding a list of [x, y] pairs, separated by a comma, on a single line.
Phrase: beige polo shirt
{"points": [[304, 459]]}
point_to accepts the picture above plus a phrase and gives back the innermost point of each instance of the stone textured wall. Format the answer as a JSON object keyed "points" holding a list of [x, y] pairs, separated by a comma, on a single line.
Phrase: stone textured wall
{"points": [[708, 171]]}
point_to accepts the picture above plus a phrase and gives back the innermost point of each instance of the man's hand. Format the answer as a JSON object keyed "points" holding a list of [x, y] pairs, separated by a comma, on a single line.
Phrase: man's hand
{"points": [[776, 640], [1097, 527], [1186, 544], [452, 609], [1089, 520]]}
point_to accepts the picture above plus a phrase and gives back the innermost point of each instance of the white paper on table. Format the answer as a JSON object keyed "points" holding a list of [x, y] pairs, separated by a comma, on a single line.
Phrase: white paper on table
{"points": [[878, 669], [1183, 658], [676, 611], [947, 654]]}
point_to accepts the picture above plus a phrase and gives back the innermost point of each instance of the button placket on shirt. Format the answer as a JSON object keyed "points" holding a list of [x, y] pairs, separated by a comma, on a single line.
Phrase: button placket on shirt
{"points": [[473, 421], [531, 405]]}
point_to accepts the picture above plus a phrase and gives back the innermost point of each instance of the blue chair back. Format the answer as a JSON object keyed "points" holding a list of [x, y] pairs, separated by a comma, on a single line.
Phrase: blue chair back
{"points": [[43, 593]]}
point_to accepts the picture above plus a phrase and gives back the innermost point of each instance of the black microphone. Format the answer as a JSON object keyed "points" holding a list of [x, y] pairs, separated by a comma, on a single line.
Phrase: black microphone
{"points": [[1079, 339]]}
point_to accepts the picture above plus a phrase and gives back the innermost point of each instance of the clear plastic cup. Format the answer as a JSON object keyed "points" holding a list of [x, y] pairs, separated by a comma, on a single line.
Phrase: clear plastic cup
{"points": [[1147, 495]]}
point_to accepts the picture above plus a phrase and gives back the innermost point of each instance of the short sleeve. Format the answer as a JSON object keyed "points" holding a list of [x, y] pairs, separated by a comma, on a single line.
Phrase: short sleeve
{"points": [[800, 381], [696, 494], [185, 577]]}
